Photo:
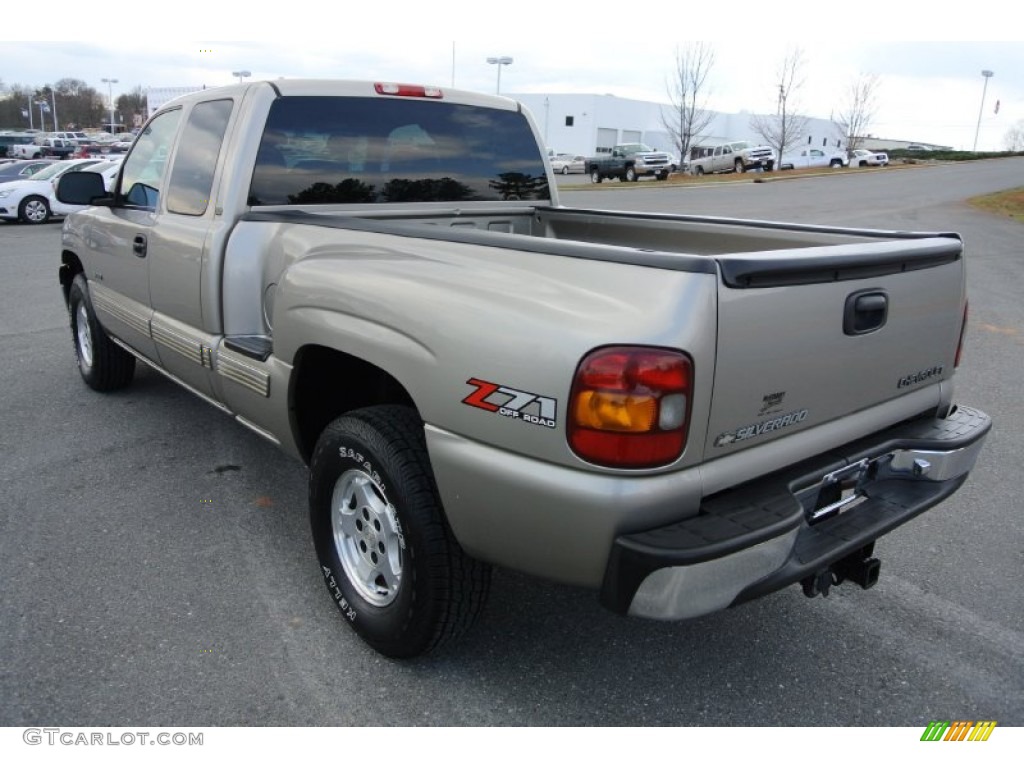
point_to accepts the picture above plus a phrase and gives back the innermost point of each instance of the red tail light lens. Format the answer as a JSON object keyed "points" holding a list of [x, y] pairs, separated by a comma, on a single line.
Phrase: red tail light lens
{"points": [[960, 343], [630, 406]]}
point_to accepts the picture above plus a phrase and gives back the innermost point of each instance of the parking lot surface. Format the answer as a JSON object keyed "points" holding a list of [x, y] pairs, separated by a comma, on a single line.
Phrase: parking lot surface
{"points": [[157, 564]]}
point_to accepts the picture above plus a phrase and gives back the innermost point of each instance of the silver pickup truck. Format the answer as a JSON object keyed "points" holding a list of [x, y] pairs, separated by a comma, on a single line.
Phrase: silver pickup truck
{"points": [[683, 413]]}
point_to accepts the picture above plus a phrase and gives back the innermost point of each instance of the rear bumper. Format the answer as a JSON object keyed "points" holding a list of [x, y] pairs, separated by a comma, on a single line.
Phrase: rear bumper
{"points": [[777, 530]]}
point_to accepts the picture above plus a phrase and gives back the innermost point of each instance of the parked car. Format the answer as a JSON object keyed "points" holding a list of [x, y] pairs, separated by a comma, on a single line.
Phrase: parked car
{"points": [[862, 157], [736, 156], [569, 164], [28, 199], [22, 169], [108, 169], [811, 157]]}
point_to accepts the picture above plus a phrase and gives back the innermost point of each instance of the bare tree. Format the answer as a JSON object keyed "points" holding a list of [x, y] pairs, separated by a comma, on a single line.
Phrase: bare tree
{"points": [[688, 116], [858, 111], [786, 128], [1015, 137]]}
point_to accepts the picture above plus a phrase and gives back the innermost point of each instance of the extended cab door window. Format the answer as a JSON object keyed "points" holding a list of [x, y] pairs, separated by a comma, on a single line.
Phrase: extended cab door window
{"points": [[143, 171], [191, 183]]}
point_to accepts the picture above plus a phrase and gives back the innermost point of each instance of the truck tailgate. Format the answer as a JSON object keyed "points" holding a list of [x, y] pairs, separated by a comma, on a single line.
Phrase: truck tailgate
{"points": [[808, 337]]}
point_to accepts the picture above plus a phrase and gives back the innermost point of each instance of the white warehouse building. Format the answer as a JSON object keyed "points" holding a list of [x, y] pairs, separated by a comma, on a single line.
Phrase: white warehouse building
{"points": [[589, 124]]}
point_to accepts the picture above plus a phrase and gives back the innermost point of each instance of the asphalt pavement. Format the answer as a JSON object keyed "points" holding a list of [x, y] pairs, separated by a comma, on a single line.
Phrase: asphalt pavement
{"points": [[156, 563]]}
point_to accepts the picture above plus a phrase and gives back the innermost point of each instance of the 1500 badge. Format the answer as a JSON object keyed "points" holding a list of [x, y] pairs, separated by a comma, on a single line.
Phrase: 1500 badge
{"points": [[513, 403], [761, 428]]}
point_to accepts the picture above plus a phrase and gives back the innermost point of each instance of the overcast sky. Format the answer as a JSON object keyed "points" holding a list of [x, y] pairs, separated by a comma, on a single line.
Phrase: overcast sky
{"points": [[929, 91]]}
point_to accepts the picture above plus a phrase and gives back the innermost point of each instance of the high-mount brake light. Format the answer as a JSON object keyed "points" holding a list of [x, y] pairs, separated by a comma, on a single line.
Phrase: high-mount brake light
{"points": [[960, 343], [400, 89], [630, 406]]}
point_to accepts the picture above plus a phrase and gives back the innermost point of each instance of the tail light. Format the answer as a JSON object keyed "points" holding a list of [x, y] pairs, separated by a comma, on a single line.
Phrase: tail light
{"points": [[630, 406], [400, 89], [960, 343]]}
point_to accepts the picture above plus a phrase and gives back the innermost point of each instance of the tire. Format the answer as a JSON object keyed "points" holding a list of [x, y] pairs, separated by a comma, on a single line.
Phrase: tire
{"points": [[699, 170], [770, 166], [595, 176], [34, 210], [630, 174], [663, 176], [565, 170], [738, 166], [836, 164], [387, 555], [104, 365], [863, 164]]}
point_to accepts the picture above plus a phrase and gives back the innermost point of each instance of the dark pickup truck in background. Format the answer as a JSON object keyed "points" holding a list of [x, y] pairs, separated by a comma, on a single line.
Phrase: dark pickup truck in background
{"points": [[629, 162]]}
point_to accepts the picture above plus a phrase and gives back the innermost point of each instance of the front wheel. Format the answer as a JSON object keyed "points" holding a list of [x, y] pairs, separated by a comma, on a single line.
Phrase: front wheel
{"points": [[630, 174], [738, 166], [104, 365], [836, 164], [595, 176], [387, 555], [565, 170], [34, 210]]}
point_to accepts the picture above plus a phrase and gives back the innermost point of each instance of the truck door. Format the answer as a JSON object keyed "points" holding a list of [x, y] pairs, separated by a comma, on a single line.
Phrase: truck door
{"points": [[186, 321], [117, 242]]}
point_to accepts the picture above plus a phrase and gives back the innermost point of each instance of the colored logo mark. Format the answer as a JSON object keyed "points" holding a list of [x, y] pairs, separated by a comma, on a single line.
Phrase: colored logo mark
{"points": [[958, 730]]}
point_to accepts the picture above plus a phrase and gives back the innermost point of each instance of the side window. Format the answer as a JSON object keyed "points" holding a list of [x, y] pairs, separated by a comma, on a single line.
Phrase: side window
{"points": [[191, 182], [144, 167]]}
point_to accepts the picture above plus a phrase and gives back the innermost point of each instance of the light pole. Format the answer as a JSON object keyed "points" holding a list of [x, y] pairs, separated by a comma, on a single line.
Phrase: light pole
{"points": [[500, 61], [42, 104], [242, 73], [110, 93], [986, 73]]}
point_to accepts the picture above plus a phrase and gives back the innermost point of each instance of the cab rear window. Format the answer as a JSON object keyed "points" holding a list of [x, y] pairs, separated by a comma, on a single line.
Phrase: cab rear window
{"points": [[330, 150]]}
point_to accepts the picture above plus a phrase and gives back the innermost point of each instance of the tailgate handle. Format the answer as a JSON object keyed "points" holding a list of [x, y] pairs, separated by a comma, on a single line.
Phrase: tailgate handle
{"points": [[865, 311]]}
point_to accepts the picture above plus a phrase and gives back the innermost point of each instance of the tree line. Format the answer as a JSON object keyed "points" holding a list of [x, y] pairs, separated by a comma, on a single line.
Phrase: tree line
{"points": [[78, 105]]}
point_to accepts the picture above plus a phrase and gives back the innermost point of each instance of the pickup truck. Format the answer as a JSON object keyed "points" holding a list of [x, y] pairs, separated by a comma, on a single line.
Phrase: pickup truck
{"points": [[734, 156], [629, 162], [48, 147], [812, 157], [682, 413]]}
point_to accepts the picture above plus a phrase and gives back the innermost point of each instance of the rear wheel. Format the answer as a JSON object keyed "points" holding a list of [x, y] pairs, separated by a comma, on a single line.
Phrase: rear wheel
{"points": [[104, 365], [387, 555], [836, 164], [34, 210]]}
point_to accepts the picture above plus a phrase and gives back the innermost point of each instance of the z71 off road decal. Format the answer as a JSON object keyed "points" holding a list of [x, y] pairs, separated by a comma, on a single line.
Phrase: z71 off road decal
{"points": [[513, 403]]}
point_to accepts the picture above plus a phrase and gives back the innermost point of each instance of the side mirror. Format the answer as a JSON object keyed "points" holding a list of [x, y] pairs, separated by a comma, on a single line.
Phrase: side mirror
{"points": [[80, 188]]}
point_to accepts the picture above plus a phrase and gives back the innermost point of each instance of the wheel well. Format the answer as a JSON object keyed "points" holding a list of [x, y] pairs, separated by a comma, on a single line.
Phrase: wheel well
{"points": [[327, 383], [70, 265]]}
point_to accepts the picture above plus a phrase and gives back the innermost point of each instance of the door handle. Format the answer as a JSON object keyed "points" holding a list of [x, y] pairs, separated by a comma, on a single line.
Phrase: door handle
{"points": [[139, 246]]}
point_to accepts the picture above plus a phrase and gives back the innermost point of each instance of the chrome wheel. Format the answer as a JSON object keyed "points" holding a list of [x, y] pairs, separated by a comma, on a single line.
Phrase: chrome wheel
{"points": [[367, 536], [83, 337], [35, 210]]}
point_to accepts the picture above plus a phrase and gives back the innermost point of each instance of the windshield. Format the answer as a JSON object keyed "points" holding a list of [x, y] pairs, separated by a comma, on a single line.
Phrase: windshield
{"points": [[320, 150], [741, 145], [49, 172], [635, 148], [58, 168]]}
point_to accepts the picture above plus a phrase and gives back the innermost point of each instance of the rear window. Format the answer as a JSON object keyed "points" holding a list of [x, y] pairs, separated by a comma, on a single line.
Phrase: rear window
{"points": [[323, 150]]}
